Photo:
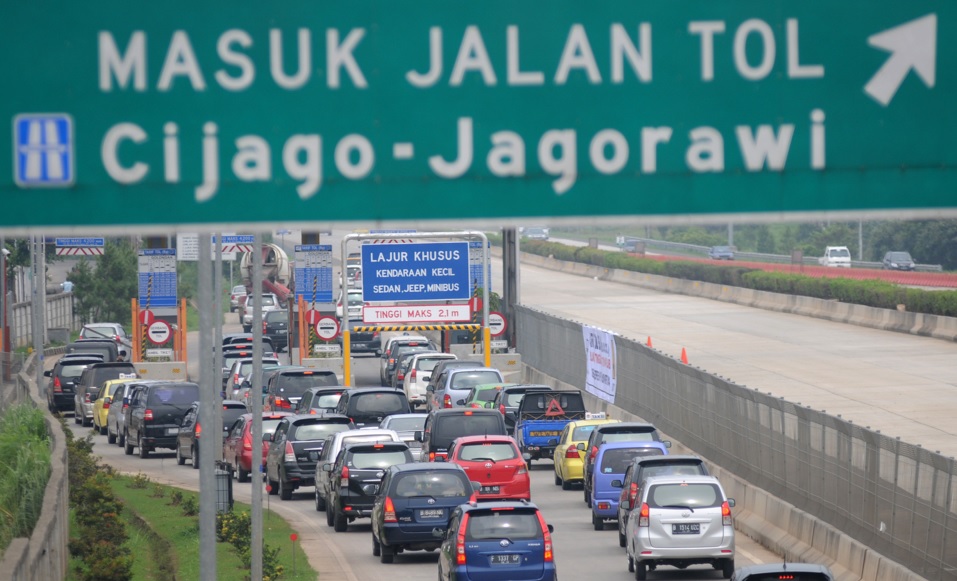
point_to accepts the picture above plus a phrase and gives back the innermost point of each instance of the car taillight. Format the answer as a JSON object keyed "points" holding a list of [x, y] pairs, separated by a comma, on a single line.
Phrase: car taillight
{"points": [[375, 335], [148, 415], [572, 452], [126, 405], [389, 511], [312, 411], [633, 493], [199, 429], [501, 408], [594, 452], [344, 476], [400, 376], [283, 403], [86, 399], [431, 456], [235, 379], [446, 401], [725, 514], [474, 405], [643, 515], [248, 441], [264, 326], [57, 386], [412, 375], [523, 469], [460, 541], [290, 455], [547, 538], [106, 404]]}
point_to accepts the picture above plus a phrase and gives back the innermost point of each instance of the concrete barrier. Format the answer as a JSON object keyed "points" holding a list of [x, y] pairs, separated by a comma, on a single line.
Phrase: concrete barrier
{"points": [[773, 523], [336, 364], [172, 370]]}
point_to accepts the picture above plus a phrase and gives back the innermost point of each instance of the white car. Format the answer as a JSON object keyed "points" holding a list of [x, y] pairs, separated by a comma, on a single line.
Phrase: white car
{"points": [[417, 378], [836, 256], [270, 302], [355, 305]]}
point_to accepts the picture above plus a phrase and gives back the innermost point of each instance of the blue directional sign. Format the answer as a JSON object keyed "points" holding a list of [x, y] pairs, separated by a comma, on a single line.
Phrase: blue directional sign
{"points": [[87, 242], [476, 264], [44, 150], [314, 272], [240, 239], [427, 271], [157, 278]]}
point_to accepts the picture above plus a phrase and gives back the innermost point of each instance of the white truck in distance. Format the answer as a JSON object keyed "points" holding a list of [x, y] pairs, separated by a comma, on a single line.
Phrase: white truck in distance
{"points": [[836, 256]]}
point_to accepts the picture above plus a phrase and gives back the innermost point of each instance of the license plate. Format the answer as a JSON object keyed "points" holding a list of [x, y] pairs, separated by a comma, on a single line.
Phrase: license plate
{"points": [[542, 434], [432, 513], [686, 529], [489, 490], [505, 559], [172, 431]]}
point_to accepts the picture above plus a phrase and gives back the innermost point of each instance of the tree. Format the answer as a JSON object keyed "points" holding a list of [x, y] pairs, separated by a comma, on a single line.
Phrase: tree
{"points": [[104, 295]]}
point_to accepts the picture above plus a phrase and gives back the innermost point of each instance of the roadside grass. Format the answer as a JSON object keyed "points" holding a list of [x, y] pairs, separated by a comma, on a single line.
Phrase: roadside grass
{"points": [[163, 533], [24, 470]]}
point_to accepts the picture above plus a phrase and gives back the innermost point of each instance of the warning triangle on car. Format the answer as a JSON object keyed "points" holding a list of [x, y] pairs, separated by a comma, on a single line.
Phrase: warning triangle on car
{"points": [[554, 409]]}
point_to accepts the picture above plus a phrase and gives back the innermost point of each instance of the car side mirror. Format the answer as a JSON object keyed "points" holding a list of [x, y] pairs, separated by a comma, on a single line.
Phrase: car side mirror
{"points": [[731, 502], [667, 443], [267, 437], [580, 447], [526, 456], [476, 485], [438, 533], [107, 400], [553, 442], [616, 483], [48, 373], [226, 429], [460, 402], [126, 401], [430, 388], [417, 436], [551, 528], [327, 467], [426, 377], [625, 505]]}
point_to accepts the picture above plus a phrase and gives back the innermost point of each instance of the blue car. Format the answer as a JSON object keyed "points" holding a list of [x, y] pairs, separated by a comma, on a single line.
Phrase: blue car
{"points": [[497, 540], [610, 464]]}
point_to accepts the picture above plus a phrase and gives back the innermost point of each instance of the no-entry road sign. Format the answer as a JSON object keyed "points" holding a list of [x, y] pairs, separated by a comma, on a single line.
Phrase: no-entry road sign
{"points": [[158, 332], [327, 328], [496, 324]]}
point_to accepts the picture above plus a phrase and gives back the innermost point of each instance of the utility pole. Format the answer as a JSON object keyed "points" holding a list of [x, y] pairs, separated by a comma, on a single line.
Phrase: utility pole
{"points": [[218, 339], [210, 382], [256, 517]]}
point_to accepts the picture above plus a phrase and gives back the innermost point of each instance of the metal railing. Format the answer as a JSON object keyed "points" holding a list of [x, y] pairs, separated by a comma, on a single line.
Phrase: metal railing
{"points": [[897, 498], [59, 315]]}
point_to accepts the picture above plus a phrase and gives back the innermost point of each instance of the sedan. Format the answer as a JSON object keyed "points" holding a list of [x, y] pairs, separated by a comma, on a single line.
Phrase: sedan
{"points": [[721, 253], [568, 459]]}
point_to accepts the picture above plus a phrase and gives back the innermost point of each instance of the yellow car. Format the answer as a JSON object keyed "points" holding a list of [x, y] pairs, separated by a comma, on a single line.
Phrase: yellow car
{"points": [[569, 461], [101, 407]]}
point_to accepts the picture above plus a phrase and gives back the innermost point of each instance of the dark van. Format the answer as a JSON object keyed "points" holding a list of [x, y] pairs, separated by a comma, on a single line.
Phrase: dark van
{"points": [[286, 387], [105, 347], [155, 413], [367, 407], [442, 426]]}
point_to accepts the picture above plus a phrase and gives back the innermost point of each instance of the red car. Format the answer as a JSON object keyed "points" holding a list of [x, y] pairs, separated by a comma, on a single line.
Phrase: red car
{"points": [[238, 443], [496, 463]]}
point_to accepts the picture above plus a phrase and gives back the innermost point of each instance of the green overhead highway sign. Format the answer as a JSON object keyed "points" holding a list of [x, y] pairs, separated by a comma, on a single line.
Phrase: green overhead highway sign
{"points": [[243, 112]]}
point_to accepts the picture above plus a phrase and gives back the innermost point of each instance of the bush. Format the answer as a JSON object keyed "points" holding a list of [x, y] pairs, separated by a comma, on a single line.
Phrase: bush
{"points": [[236, 529], [140, 481], [24, 471], [190, 506]]}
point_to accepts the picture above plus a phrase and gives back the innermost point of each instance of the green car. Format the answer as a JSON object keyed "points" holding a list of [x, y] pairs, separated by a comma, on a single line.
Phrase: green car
{"points": [[482, 396]]}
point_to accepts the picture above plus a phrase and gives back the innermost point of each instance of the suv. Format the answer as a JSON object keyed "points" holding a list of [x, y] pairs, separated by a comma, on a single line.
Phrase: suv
{"points": [[368, 407], [484, 539], [836, 256], [641, 469], [453, 385], [330, 451], [358, 471], [90, 383], [508, 400], [361, 341], [286, 387], [294, 450], [63, 379], [414, 501], [683, 520], [108, 331], [107, 348], [898, 261], [799, 571], [155, 414], [276, 328], [239, 368], [388, 360], [442, 427], [615, 432], [418, 375], [187, 440], [270, 302], [319, 400]]}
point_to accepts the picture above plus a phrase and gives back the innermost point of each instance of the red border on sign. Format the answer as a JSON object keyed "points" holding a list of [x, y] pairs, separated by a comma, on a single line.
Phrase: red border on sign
{"points": [[321, 321], [504, 324], [169, 333]]}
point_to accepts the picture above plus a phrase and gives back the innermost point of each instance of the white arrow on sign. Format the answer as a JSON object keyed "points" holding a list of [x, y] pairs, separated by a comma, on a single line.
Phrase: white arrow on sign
{"points": [[913, 45]]}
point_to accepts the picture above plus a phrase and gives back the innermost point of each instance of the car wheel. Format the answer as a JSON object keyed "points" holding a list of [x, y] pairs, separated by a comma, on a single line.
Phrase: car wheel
{"points": [[631, 565], [587, 498], [387, 555], [329, 516], [597, 522], [376, 549], [120, 439], [110, 437], [180, 459], [566, 485], [320, 501], [641, 571], [558, 480], [144, 451], [77, 417], [340, 524], [103, 431], [622, 539], [241, 475], [285, 492], [84, 421], [727, 568], [127, 445], [194, 451]]}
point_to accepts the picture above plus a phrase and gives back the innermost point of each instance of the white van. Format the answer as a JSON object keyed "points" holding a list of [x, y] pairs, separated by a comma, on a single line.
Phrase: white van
{"points": [[836, 256]]}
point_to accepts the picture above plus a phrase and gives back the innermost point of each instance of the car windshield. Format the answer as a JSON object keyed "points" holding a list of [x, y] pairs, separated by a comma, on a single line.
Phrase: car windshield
{"points": [[841, 253], [104, 352], [512, 524], [722, 249], [407, 424], [493, 451], [467, 379], [617, 461], [277, 317], [437, 484], [269, 426], [368, 460], [327, 402], [582, 433], [628, 437], [102, 331], [239, 290], [900, 256], [694, 495], [315, 431], [514, 399]]}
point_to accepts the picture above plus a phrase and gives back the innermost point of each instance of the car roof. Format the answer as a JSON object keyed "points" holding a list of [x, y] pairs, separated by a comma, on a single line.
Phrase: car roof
{"points": [[360, 390], [522, 387], [580, 423], [463, 412], [781, 568], [326, 388], [499, 505], [429, 467], [688, 478], [631, 444], [269, 415], [625, 426], [401, 416], [317, 418], [666, 458], [108, 364]]}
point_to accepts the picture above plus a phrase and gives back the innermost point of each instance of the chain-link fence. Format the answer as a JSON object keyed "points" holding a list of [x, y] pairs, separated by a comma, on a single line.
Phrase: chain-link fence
{"points": [[897, 498]]}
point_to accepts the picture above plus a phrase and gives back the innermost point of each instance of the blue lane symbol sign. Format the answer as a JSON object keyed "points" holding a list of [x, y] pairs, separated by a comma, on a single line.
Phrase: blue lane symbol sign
{"points": [[44, 150]]}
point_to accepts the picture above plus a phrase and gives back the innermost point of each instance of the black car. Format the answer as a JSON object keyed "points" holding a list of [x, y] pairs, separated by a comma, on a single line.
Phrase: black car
{"points": [[63, 380], [508, 399], [105, 347], [362, 341], [442, 426], [775, 571], [276, 328], [90, 383], [398, 351], [319, 400], [187, 440], [285, 388], [367, 407], [614, 432], [898, 260], [413, 501], [155, 413], [358, 471], [294, 449], [644, 467]]}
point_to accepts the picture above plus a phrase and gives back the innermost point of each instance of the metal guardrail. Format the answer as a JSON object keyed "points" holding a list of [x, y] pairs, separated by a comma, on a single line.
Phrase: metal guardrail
{"points": [[696, 250]]}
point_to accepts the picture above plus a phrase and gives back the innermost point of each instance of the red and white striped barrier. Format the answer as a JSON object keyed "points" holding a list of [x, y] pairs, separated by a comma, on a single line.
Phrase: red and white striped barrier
{"points": [[79, 251], [237, 248]]}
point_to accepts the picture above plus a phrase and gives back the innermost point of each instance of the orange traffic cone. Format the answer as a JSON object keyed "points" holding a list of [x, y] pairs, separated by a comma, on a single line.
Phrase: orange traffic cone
{"points": [[649, 341], [684, 356]]}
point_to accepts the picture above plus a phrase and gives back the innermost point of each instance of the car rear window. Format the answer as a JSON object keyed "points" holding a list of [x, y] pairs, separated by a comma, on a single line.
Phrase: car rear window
{"points": [[315, 431], [467, 379], [72, 370], [106, 352], [180, 395], [269, 426], [486, 395], [369, 460], [231, 414], [628, 437], [447, 428], [428, 364], [582, 433], [103, 374], [329, 401], [617, 461], [444, 484], [514, 399], [685, 494], [296, 384], [511, 524], [277, 317], [407, 424], [493, 451], [685, 469], [791, 575], [386, 403]]}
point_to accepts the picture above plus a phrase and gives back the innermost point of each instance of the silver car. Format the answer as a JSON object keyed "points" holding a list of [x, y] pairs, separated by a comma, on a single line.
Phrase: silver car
{"points": [[406, 425], [681, 521]]}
